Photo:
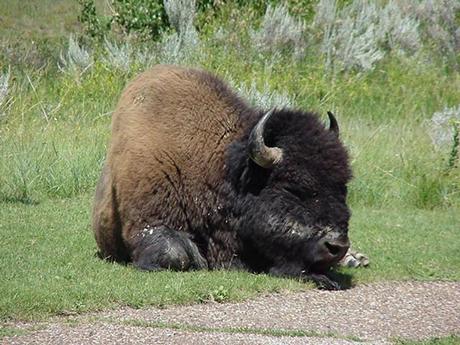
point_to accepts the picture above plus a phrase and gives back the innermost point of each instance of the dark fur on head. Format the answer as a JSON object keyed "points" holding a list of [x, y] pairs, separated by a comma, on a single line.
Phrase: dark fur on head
{"points": [[307, 190]]}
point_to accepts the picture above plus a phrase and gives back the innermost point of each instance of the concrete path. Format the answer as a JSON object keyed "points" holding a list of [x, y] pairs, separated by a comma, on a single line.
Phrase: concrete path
{"points": [[366, 314]]}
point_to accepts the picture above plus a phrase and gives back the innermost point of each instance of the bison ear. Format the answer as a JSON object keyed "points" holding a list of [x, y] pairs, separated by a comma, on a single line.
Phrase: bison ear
{"points": [[262, 155], [333, 125]]}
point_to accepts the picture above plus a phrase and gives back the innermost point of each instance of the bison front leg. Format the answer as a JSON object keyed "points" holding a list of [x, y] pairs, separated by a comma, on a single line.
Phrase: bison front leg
{"points": [[159, 248], [323, 281], [354, 259], [291, 270]]}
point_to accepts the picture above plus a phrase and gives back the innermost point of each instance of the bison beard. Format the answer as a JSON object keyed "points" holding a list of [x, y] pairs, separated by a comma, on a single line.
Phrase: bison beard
{"points": [[195, 178]]}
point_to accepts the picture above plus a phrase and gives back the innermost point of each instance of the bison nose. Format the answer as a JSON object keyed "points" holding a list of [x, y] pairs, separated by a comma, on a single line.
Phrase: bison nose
{"points": [[336, 248]]}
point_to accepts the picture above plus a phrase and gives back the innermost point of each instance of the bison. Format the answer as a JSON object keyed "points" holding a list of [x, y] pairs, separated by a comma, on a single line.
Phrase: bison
{"points": [[195, 178]]}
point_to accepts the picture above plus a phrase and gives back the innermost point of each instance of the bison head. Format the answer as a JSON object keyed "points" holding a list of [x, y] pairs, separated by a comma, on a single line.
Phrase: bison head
{"points": [[292, 181]]}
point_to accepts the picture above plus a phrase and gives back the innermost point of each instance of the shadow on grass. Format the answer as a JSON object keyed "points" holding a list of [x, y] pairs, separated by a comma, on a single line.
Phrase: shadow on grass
{"points": [[121, 261], [25, 200], [343, 279]]}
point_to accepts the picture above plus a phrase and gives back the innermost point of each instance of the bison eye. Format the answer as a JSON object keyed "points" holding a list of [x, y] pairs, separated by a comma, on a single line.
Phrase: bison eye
{"points": [[300, 193]]}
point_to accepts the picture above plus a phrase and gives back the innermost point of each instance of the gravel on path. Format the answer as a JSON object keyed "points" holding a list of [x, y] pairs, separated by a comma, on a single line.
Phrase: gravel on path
{"points": [[97, 334], [375, 313]]}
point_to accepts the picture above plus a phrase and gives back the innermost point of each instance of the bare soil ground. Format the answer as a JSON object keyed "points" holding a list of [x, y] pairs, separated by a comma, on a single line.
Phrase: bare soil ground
{"points": [[366, 314]]}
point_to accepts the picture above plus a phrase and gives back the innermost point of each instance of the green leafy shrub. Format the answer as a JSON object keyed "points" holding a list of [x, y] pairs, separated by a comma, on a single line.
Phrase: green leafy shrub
{"points": [[94, 26], [453, 156], [144, 17]]}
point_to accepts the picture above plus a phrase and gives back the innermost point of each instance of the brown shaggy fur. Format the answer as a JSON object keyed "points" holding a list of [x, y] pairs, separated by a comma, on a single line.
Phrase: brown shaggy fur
{"points": [[154, 176], [183, 188]]}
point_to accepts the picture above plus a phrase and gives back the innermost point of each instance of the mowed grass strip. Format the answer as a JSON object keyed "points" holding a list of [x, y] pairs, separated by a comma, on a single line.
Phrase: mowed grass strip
{"points": [[406, 244], [49, 265], [235, 330], [449, 340]]}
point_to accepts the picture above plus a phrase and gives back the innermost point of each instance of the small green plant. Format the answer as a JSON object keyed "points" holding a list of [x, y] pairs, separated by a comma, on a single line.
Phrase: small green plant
{"points": [[453, 156], [219, 295]]}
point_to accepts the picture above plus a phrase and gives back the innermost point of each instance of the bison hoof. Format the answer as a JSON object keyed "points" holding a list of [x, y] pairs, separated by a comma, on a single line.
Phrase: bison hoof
{"points": [[161, 248], [354, 259], [323, 282]]}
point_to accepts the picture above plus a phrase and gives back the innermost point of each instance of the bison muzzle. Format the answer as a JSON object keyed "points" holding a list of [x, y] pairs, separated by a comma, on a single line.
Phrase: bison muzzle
{"points": [[195, 178]]}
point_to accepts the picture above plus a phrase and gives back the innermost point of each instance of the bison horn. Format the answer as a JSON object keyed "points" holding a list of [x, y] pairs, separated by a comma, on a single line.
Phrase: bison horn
{"points": [[333, 126], [262, 155]]}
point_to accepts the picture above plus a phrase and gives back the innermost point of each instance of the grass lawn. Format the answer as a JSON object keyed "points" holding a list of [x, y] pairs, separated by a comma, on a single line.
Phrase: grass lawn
{"points": [[48, 264]]}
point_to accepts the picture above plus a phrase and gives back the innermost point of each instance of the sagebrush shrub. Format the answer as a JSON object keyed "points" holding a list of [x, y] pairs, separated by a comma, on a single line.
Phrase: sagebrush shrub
{"points": [[440, 25], [350, 41], [441, 126], [325, 13], [117, 55], [77, 58], [181, 13], [181, 45], [4, 90], [280, 31], [265, 98], [359, 35], [398, 30]]}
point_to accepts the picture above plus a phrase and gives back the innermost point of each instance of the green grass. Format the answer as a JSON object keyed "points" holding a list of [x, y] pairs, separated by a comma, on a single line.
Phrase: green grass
{"points": [[44, 137], [49, 265], [407, 243], [449, 340], [33, 19], [11, 331], [234, 330]]}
